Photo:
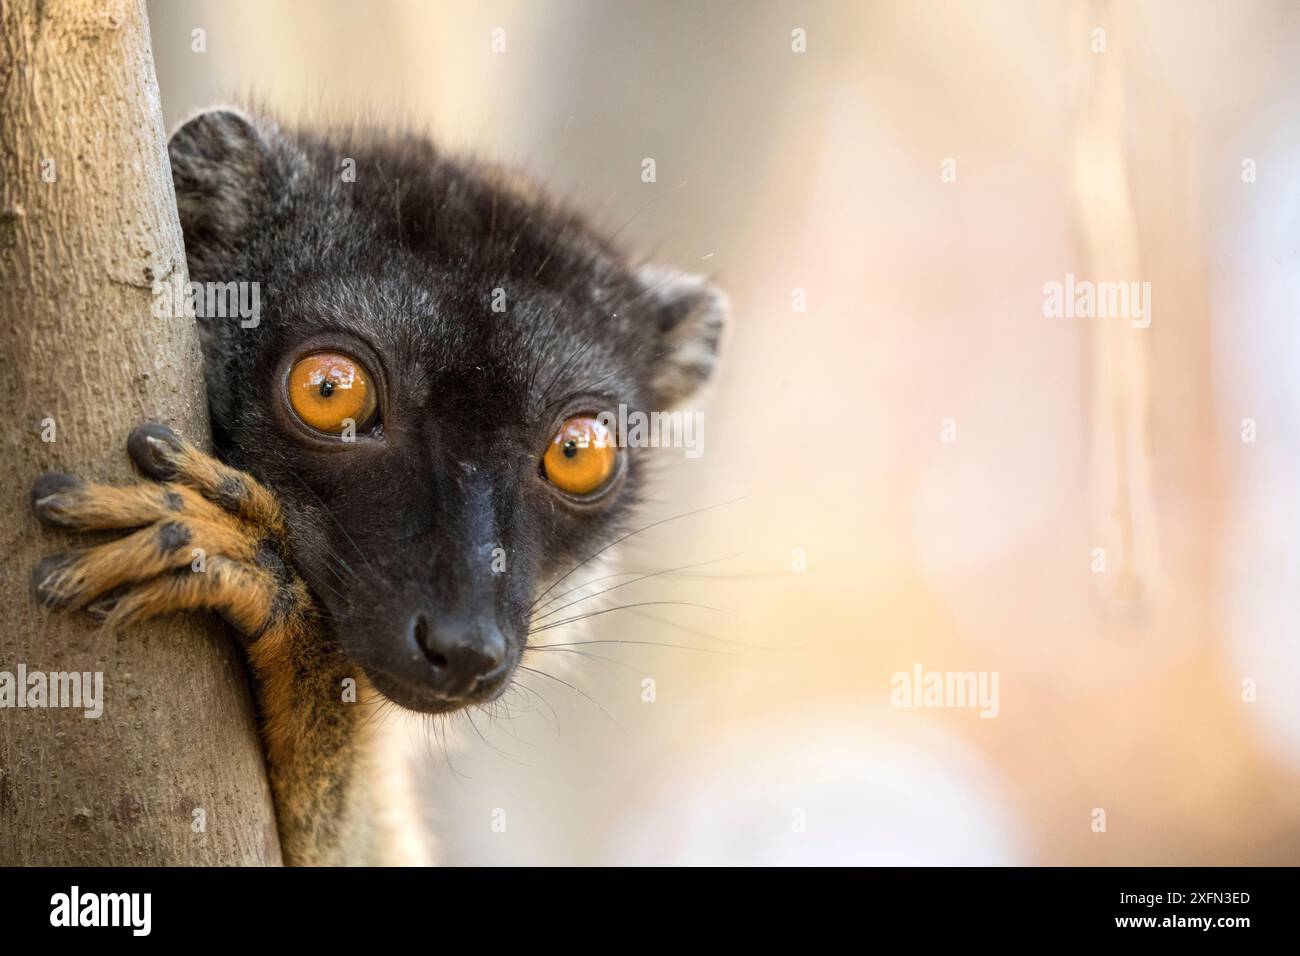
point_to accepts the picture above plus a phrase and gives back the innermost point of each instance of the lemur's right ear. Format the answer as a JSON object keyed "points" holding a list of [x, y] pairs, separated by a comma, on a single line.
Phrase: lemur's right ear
{"points": [[221, 166]]}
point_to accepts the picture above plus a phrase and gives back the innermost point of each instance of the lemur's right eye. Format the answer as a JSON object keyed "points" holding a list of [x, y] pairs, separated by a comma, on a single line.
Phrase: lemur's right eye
{"points": [[582, 459], [329, 390]]}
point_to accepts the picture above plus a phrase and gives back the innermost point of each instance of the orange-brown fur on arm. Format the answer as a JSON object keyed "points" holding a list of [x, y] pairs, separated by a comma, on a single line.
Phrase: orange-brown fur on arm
{"points": [[212, 538]]}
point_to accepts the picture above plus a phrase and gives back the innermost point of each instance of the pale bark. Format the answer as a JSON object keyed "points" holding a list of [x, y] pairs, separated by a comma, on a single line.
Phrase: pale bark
{"points": [[1120, 360], [79, 345]]}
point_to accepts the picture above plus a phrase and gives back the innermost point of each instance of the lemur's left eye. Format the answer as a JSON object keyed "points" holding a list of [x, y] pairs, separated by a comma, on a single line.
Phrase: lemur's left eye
{"points": [[329, 389], [582, 458]]}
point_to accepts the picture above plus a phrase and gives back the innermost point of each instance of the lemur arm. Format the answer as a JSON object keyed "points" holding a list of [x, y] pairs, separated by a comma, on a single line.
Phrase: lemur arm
{"points": [[205, 536]]}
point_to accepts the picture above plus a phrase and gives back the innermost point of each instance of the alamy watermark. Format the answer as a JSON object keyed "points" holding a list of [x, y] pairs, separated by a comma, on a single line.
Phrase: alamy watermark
{"points": [[208, 300], [81, 690], [130, 910], [1098, 300], [637, 429], [946, 689]]}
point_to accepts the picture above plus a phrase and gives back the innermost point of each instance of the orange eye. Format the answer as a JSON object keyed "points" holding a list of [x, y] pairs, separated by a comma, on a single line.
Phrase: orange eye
{"points": [[582, 457], [326, 389]]}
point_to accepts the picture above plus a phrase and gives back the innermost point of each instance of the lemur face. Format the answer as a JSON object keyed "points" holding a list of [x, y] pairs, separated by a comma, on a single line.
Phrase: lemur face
{"points": [[422, 383]]}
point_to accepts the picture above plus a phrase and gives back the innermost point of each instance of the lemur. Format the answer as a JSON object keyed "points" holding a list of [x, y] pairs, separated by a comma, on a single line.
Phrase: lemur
{"points": [[401, 470]]}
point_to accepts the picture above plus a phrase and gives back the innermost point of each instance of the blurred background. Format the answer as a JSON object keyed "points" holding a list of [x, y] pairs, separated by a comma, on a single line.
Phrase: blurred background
{"points": [[907, 463]]}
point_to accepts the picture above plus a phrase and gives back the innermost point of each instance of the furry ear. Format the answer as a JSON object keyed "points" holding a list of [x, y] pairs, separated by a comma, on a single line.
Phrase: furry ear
{"points": [[221, 164], [689, 315]]}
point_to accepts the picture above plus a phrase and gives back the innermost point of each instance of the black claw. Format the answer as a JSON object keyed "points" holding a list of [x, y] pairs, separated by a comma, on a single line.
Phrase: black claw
{"points": [[102, 607], [152, 447], [45, 577], [45, 492]]}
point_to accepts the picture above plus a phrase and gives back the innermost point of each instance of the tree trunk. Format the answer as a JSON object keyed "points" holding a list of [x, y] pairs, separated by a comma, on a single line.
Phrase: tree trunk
{"points": [[172, 773]]}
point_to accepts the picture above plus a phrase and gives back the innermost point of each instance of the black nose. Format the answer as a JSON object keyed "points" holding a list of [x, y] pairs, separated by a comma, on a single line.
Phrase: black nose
{"points": [[461, 653]]}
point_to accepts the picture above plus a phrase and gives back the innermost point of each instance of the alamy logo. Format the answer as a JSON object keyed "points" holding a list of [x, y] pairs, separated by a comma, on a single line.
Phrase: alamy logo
{"points": [[208, 300], [1098, 300], [76, 689], [102, 909], [636, 429], [946, 689]]}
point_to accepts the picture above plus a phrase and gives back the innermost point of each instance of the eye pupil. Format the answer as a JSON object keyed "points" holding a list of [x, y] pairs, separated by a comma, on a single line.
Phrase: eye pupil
{"points": [[570, 448], [326, 388]]}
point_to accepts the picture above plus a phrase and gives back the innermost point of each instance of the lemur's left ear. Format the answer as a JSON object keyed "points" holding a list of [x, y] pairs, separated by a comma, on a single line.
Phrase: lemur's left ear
{"points": [[689, 315], [222, 169]]}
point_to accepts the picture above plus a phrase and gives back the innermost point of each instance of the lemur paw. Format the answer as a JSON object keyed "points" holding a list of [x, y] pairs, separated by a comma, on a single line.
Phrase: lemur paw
{"points": [[204, 537]]}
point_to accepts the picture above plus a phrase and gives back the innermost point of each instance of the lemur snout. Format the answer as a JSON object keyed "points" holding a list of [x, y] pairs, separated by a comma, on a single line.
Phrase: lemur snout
{"points": [[464, 656]]}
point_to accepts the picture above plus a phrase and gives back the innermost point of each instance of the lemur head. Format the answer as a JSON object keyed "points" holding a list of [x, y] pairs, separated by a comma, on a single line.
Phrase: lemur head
{"points": [[422, 381]]}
